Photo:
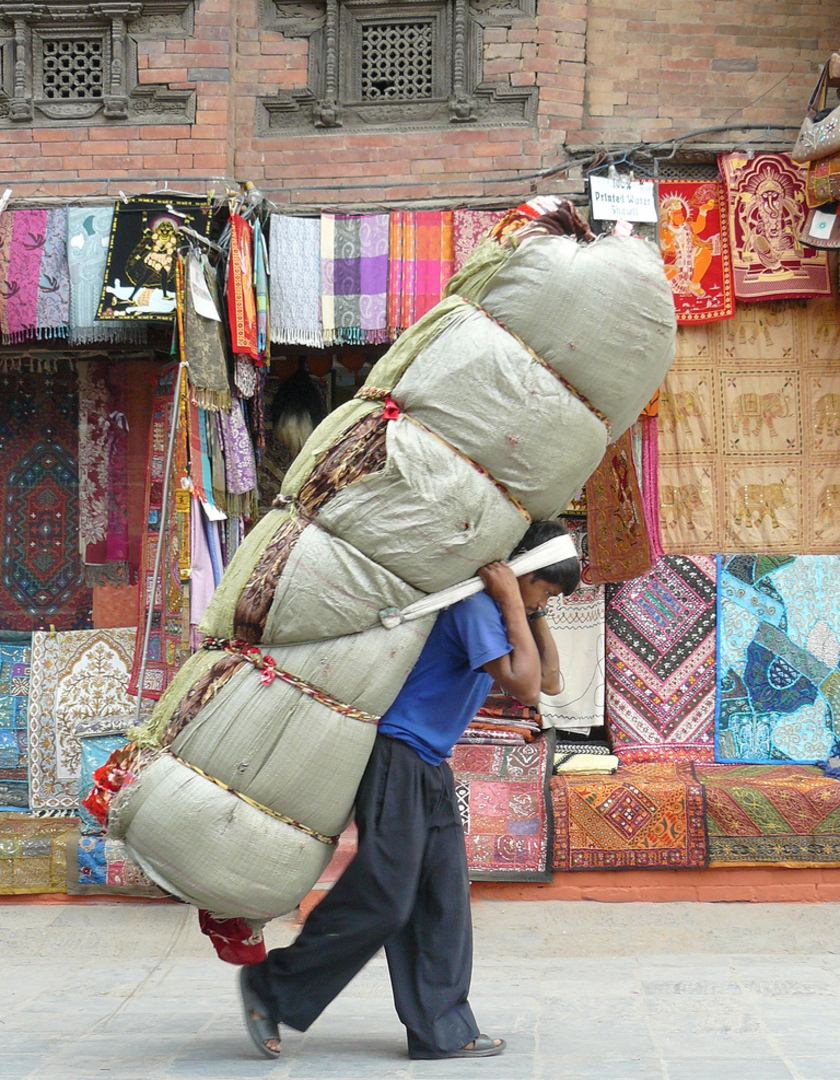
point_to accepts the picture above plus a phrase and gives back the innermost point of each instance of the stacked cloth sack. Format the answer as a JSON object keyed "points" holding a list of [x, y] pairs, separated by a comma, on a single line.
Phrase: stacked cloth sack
{"points": [[491, 411]]}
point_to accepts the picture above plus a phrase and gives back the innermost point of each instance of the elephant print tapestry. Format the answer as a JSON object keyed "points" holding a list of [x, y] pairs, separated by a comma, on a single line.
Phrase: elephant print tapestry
{"points": [[765, 194], [749, 434], [778, 689], [694, 237]]}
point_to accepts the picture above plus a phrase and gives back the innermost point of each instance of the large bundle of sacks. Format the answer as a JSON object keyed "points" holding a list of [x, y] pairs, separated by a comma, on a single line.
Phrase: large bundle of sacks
{"points": [[492, 411]]}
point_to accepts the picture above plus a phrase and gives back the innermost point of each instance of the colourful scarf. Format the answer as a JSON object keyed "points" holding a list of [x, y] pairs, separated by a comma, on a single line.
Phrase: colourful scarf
{"points": [[261, 289], [422, 260], [88, 231], [34, 278], [295, 259], [470, 228], [766, 206], [242, 303], [694, 238], [354, 278], [240, 466]]}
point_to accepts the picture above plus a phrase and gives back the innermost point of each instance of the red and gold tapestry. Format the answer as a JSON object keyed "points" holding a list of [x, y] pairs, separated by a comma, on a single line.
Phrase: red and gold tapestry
{"points": [[242, 301], [694, 238], [766, 205], [646, 816], [619, 547]]}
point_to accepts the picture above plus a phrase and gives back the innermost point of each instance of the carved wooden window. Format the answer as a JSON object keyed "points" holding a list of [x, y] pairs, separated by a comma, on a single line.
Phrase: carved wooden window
{"points": [[396, 61], [70, 68], [70, 62], [411, 65]]}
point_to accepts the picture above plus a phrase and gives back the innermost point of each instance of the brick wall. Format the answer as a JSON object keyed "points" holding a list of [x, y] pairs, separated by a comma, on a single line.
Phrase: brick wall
{"points": [[605, 74], [654, 72]]}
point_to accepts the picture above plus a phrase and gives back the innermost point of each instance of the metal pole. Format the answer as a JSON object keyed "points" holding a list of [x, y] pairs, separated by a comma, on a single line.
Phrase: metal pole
{"points": [[164, 514]]}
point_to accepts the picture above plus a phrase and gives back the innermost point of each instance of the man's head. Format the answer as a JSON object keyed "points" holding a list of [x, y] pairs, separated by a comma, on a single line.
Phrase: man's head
{"points": [[560, 578]]}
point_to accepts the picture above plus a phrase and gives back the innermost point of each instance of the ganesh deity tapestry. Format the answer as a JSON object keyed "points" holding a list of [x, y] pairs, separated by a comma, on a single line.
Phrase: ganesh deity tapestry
{"points": [[749, 434], [765, 195]]}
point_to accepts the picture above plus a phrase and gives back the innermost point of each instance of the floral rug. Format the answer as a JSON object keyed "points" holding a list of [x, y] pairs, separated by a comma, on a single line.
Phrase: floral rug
{"points": [[77, 676], [784, 815], [645, 817], [503, 797]]}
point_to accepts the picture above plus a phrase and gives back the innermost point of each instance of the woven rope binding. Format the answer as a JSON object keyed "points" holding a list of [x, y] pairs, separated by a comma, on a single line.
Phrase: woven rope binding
{"points": [[330, 840]]}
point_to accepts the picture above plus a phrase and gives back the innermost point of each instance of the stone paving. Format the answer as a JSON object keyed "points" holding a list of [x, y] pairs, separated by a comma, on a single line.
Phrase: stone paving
{"points": [[580, 991]]}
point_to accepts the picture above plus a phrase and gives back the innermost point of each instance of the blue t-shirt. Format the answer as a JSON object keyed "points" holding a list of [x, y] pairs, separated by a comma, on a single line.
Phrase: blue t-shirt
{"points": [[448, 684]]}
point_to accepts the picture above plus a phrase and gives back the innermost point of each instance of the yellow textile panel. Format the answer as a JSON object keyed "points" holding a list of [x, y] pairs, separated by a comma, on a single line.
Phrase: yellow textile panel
{"points": [[749, 433]]}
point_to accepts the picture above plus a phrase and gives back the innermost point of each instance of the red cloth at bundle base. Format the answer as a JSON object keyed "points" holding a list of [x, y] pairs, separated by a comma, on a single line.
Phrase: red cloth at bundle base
{"points": [[242, 301], [766, 206], [694, 236], [235, 940]]}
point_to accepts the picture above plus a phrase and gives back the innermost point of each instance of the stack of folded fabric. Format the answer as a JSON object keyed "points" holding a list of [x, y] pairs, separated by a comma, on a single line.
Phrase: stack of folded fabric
{"points": [[584, 757], [502, 719]]}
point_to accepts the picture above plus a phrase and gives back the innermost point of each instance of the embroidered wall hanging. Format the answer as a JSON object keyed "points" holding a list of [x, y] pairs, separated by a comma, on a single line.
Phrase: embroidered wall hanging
{"points": [[778, 675], [694, 238], [767, 209], [140, 269]]}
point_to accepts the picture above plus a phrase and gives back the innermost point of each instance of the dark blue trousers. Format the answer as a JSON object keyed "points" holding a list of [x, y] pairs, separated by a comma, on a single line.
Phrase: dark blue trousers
{"points": [[407, 890]]}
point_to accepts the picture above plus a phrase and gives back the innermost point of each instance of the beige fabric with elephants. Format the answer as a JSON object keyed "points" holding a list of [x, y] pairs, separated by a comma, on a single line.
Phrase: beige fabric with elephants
{"points": [[749, 433]]}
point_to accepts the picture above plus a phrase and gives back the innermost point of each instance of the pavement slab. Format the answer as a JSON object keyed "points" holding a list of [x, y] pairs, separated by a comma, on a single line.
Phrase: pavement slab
{"points": [[581, 991]]}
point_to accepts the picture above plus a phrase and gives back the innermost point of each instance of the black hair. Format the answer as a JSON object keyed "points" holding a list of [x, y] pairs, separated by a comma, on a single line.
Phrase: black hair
{"points": [[564, 574]]}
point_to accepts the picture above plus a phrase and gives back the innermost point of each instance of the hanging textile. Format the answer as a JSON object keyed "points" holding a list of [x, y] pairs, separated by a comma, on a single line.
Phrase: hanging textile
{"points": [[240, 466], [88, 232], [295, 263], [76, 676], [103, 475], [41, 579], [470, 227], [619, 548], [168, 643], [661, 662], [649, 425], [204, 336], [354, 278], [778, 693], [33, 267], [694, 239], [749, 436], [15, 654], [422, 258], [202, 584], [242, 303], [261, 289], [766, 206], [647, 816], [139, 281]]}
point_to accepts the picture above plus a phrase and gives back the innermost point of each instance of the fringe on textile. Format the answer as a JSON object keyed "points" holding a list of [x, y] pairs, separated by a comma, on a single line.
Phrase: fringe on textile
{"points": [[127, 333], [211, 400], [241, 506], [290, 335]]}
